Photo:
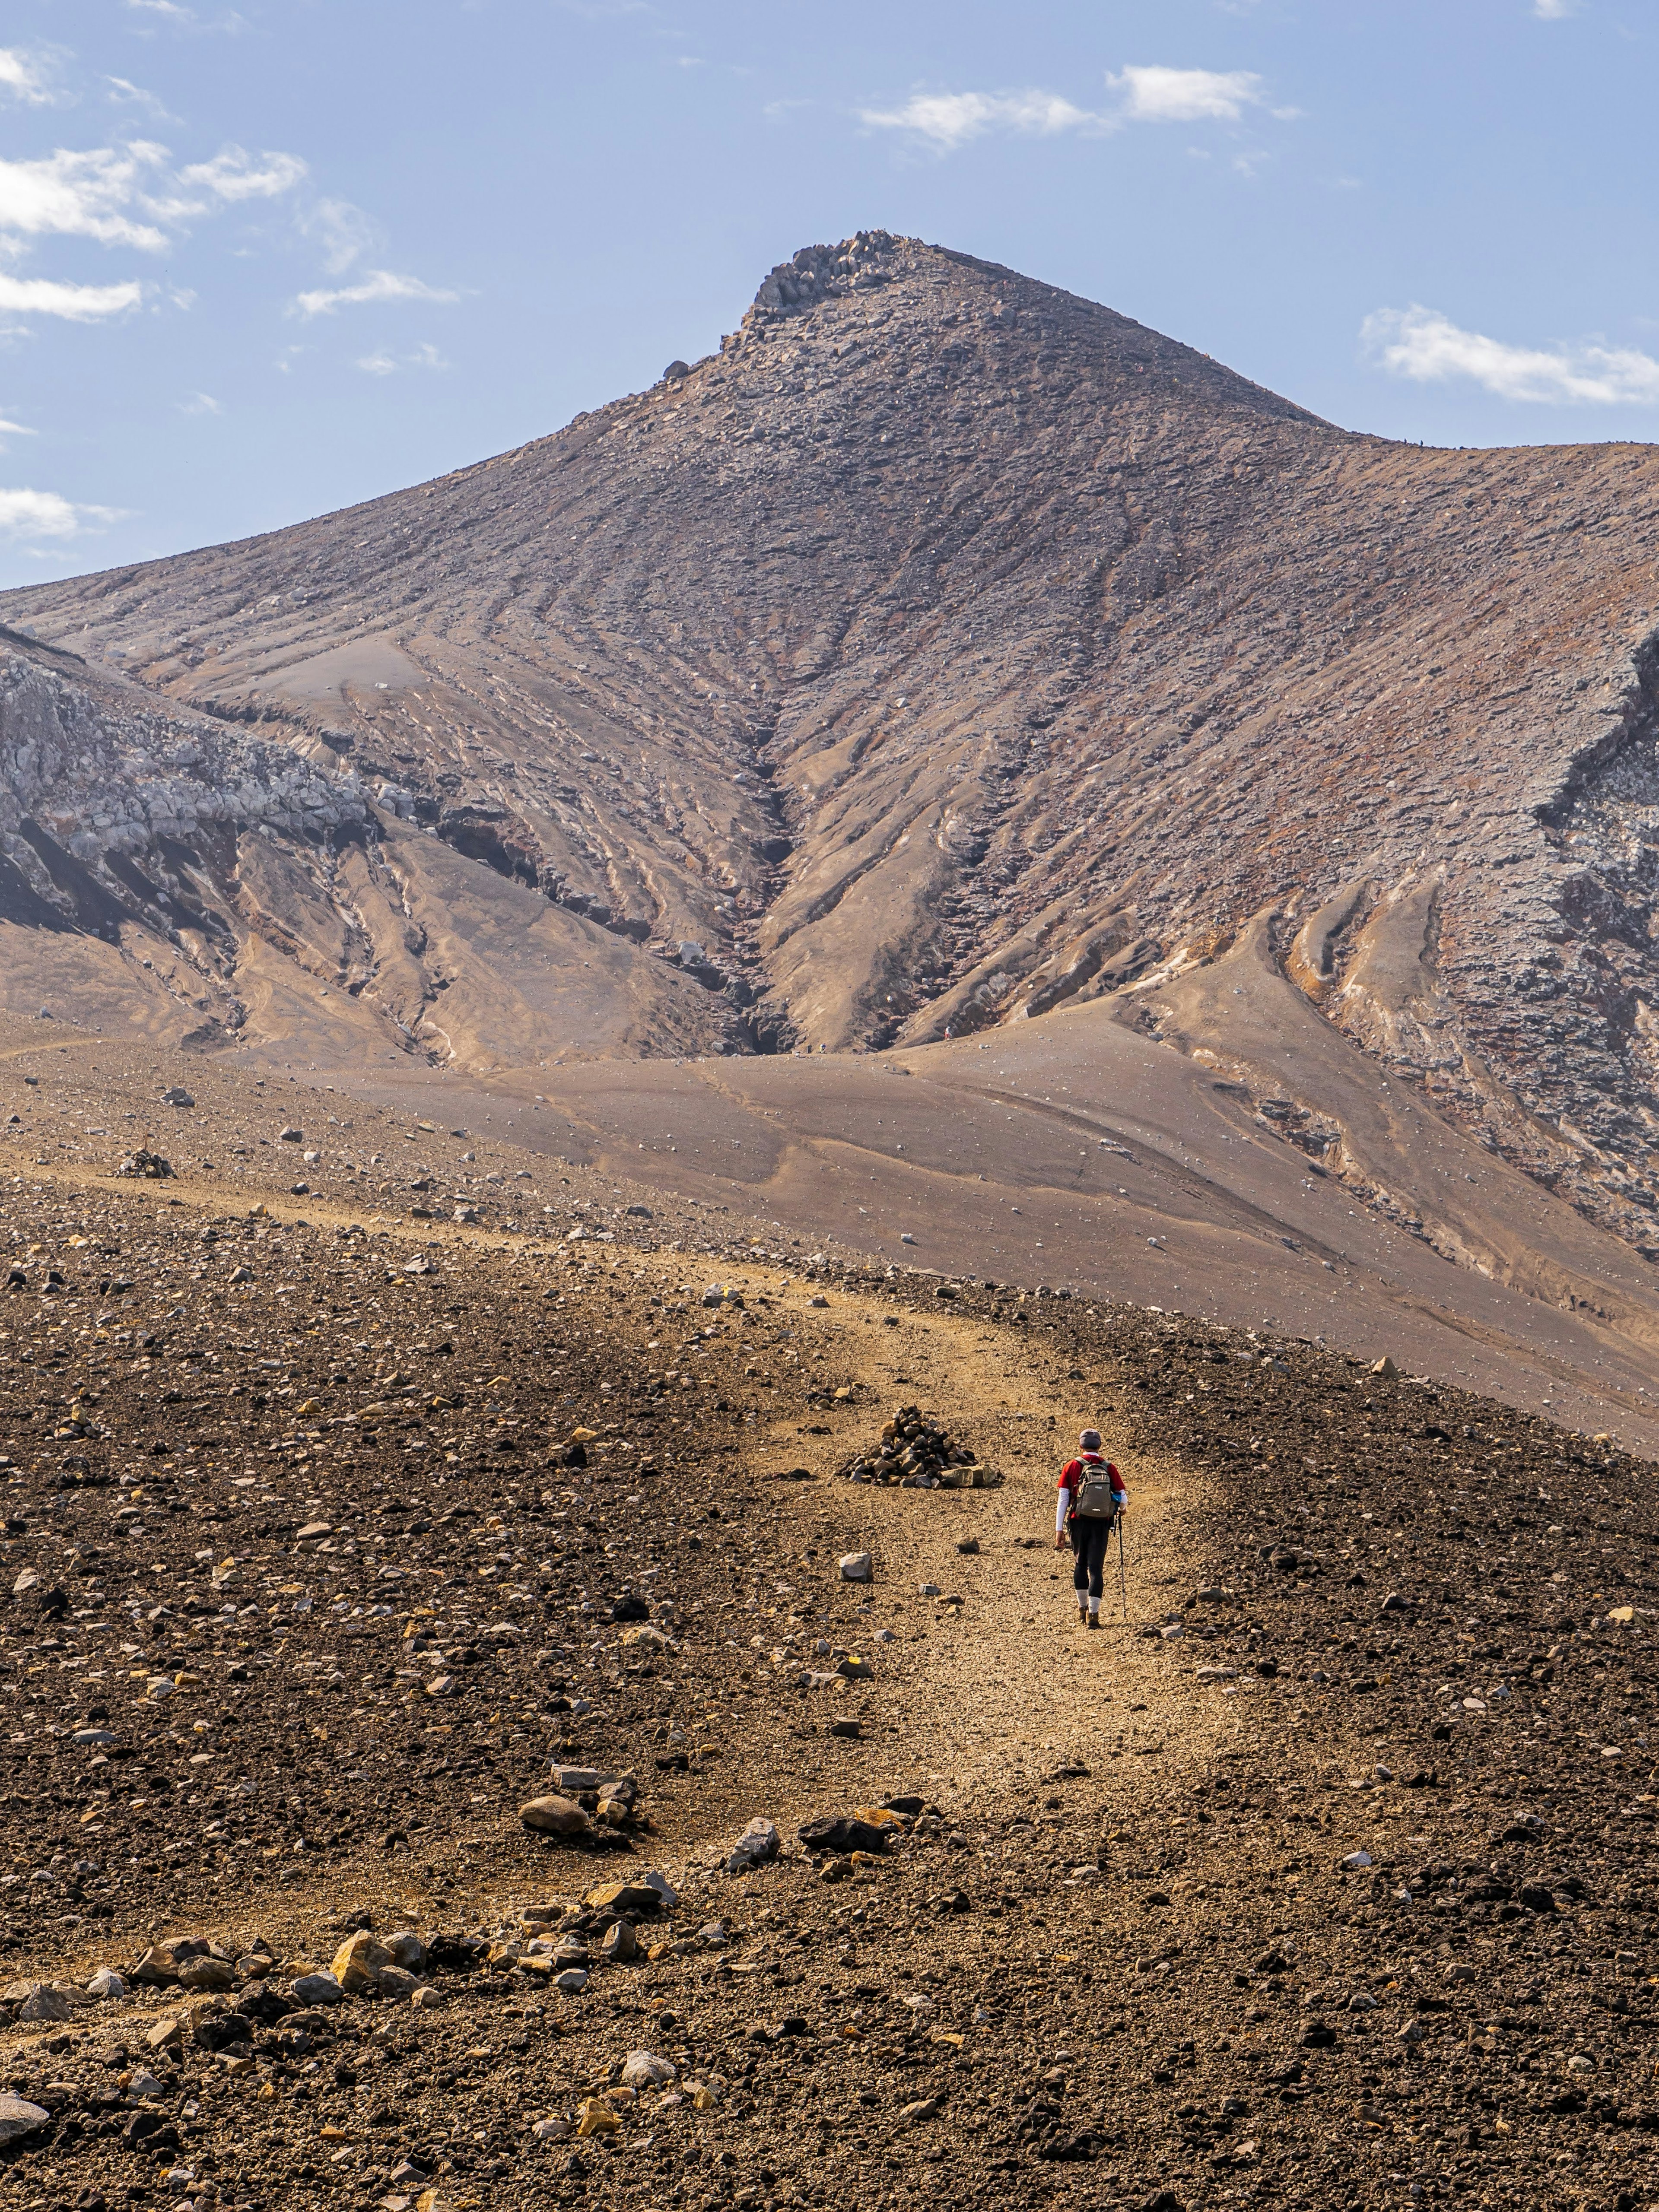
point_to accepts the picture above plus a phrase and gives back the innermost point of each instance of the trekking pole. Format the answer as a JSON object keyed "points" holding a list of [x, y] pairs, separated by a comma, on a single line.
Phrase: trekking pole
{"points": [[1122, 1585]]}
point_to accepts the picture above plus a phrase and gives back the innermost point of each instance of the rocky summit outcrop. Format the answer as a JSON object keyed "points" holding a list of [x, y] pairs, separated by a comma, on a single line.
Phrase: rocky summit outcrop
{"points": [[945, 650]]}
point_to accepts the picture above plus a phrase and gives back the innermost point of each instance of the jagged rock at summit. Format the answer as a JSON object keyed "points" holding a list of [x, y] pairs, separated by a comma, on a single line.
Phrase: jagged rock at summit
{"points": [[945, 651]]}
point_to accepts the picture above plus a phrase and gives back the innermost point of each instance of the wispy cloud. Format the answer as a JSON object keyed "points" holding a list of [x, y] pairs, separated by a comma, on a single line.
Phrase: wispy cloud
{"points": [[1155, 94], [25, 514], [387, 364], [949, 119], [378, 284], [1146, 93], [84, 195], [1426, 346], [234, 175], [127, 195], [185, 19], [73, 303], [24, 77], [344, 231], [200, 402], [11, 429], [123, 92], [1554, 11]]}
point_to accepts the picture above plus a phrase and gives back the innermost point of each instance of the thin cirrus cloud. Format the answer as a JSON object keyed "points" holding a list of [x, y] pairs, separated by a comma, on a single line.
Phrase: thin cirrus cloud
{"points": [[377, 285], [123, 93], [1145, 93], [1421, 343], [185, 19], [387, 364], [343, 232]]}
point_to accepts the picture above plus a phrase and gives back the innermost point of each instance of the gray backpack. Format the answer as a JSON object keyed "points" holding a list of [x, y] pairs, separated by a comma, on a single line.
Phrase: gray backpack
{"points": [[1094, 1500]]}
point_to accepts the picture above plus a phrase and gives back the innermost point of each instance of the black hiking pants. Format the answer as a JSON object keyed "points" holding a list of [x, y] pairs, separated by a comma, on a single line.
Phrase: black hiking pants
{"points": [[1091, 1537]]}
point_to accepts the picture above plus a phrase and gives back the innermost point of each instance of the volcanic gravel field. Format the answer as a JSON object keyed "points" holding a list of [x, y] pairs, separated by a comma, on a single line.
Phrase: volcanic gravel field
{"points": [[1319, 1878]]}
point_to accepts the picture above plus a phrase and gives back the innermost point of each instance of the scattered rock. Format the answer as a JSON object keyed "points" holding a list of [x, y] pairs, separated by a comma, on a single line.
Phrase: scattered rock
{"points": [[554, 1816], [756, 1845], [18, 2118], [317, 1989], [842, 1832], [643, 2070]]}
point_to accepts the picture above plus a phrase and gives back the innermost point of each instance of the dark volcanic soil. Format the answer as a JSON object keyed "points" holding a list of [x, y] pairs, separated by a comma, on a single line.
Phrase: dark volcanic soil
{"points": [[1321, 1877]]}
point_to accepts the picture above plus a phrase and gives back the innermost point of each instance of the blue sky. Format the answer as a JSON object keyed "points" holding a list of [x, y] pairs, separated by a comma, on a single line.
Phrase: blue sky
{"points": [[261, 260]]}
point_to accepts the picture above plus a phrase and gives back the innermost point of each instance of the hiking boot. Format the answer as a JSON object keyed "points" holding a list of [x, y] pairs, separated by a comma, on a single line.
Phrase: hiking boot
{"points": [[1094, 1620], [1082, 1615]]}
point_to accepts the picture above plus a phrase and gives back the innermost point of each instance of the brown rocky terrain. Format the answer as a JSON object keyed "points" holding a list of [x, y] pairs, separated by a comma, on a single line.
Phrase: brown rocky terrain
{"points": [[947, 658], [336, 1535]]}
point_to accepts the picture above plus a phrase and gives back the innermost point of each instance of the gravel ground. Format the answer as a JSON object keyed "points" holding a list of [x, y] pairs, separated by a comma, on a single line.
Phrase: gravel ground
{"points": [[1339, 1894]]}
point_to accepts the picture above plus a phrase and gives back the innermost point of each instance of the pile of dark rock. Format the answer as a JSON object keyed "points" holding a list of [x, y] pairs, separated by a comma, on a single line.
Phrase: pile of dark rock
{"points": [[150, 1165], [914, 1453]]}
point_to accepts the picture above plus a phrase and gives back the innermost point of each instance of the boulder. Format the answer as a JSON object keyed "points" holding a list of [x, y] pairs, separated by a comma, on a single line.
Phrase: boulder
{"points": [[624, 1897], [756, 1845], [643, 2069], [316, 1988], [204, 1974], [554, 1816], [357, 1964], [842, 1833], [18, 2118]]}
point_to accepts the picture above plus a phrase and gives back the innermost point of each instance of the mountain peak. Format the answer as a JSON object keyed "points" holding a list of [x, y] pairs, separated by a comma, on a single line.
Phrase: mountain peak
{"points": [[935, 292], [948, 648]]}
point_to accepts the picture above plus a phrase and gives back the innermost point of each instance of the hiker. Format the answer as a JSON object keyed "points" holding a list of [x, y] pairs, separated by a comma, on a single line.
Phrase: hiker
{"points": [[1091, 1496]]}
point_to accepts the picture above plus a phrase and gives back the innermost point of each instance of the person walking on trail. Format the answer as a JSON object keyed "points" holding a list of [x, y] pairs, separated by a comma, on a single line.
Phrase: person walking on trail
{"points": [[1091, 1496]]}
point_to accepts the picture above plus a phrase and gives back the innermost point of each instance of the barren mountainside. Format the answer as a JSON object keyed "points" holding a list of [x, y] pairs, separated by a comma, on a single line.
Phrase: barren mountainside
{"points": [[945, 651]]}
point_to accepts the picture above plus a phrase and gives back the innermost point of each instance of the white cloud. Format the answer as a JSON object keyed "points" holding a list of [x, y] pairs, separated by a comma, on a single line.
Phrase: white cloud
{"points": [[82, 195], [1155, 94], [123, 92], [1554, 11], [1420, 343], [73, 303], [48, 514], [125, 196], [234, 175], [1147, 93], [200, 402], [426, 356], [377, 284], [345, 231], [22, 78], [949, 119], [185, 19]]}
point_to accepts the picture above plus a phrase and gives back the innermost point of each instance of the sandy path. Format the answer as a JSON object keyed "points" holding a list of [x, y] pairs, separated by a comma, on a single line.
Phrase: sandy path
{"points": [[989, 1697]]}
